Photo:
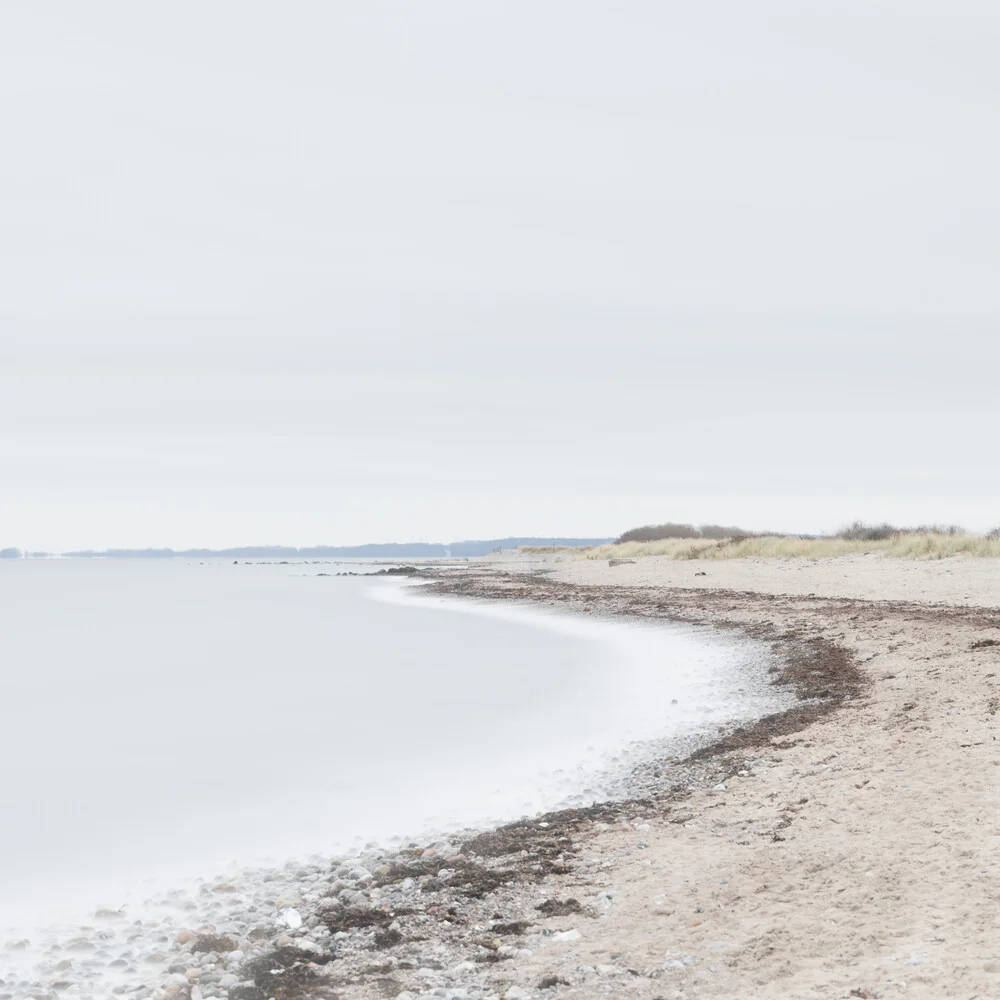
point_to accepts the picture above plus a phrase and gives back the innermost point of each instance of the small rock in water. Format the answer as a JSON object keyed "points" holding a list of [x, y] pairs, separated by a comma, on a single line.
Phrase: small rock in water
{"points": [[516, 993], [291, 918]]}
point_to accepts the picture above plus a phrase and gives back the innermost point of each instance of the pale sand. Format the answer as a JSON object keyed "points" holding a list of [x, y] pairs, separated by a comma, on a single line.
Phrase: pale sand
{"points": [[860, 861], [961, 580]]}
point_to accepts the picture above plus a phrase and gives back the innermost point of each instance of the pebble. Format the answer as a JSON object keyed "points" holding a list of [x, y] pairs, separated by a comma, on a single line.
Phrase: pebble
{"points": [[572, 935]]}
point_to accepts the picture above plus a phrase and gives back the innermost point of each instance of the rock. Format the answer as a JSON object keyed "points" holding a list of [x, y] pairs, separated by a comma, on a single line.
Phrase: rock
{"points": [[516, 993], [291, 918], [183, 936], [572, 935], [175, 979], [718, 788]]}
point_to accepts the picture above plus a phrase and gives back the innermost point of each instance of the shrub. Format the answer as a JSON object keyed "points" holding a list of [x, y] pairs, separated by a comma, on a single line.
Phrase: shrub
{"points": [[858, 531], [657, 532], [719, 531], [661, 532]]}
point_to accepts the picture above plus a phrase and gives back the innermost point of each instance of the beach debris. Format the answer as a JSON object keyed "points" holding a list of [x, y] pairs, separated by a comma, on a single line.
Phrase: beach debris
{"points": [[551, 982], [559, 907]]}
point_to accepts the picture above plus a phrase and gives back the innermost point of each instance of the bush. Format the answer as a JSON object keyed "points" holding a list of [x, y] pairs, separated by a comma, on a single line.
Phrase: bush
{"points": [[657, 532], [993, 533], [719, 531], [858, 531]]}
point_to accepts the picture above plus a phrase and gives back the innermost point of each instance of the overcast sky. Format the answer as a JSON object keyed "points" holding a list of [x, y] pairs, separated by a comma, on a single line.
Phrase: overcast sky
{"points": [[359, 271]]}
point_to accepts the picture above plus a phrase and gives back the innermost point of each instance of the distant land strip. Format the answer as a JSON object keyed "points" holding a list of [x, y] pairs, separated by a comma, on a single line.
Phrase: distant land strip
{"points": [[387, 550]]}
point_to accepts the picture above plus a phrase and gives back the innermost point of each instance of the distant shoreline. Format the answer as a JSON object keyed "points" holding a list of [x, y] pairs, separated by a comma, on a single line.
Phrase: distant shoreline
{"points": [[469, 548]]}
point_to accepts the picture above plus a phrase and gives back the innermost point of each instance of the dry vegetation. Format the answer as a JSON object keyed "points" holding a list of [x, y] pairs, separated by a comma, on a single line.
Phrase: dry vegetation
{"points": [[903, 545]]}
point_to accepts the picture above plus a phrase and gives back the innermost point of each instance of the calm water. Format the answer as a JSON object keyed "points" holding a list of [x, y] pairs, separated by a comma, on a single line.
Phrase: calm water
{"points": [[165, 718]]}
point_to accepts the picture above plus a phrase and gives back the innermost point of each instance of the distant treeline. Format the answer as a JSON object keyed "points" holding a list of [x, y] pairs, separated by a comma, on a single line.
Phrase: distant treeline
{"points": [[658, 532], [388, 550]]}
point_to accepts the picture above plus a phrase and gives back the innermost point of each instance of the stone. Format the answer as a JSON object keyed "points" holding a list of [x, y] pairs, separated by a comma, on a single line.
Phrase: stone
{"points": [[572, 935], [183, 936], [516, 993], [291, 918]]}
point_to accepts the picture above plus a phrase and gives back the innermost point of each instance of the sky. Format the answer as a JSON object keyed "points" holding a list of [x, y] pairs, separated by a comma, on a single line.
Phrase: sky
{"points": [[318, 273]]}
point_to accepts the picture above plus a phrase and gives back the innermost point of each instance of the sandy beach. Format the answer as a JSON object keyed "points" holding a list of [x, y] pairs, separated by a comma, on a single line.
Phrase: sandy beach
{"points": [[856, 856], [853, 857], [844, 847]]}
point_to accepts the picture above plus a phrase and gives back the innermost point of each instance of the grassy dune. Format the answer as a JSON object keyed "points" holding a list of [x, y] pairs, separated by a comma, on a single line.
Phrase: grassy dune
{"points": [[904, 546]]}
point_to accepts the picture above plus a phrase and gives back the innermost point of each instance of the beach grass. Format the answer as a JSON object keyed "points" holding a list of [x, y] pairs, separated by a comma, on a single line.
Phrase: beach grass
{"points": [[924, 545]]}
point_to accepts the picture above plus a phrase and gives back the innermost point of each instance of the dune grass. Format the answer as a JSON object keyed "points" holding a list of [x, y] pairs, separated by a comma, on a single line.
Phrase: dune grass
{"points": [[930, 545]]}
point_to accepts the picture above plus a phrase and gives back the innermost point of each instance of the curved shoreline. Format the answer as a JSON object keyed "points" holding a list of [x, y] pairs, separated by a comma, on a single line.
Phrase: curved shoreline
{"points": [[530, 907], [86, 949]]}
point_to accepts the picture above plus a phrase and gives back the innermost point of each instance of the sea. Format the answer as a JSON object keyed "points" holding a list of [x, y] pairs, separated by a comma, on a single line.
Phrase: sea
{"points": [[166, 718]]}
